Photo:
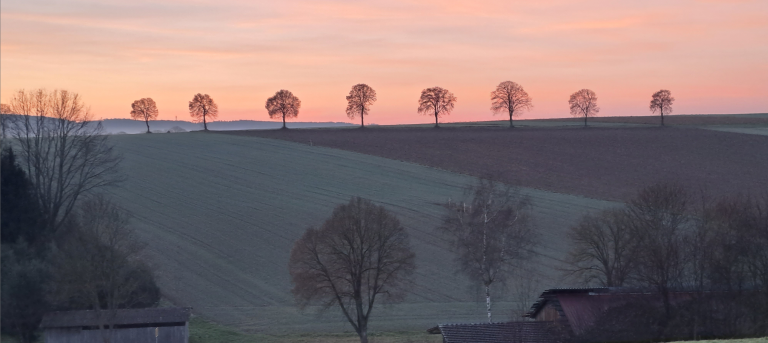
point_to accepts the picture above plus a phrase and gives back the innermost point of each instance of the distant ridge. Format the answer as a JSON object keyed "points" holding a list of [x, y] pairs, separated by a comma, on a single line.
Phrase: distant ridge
{"points": [[136, 126]]}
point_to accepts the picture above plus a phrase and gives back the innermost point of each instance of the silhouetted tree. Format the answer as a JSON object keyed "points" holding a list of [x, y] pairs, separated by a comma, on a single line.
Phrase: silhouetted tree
{"points": [[360, 253], [144, 109], [202, 107], [5, 110], [659, 215], [436, 101], [662, 102], [602, 248], [510, 97], [64, 153], [25, 276], [97, 265], [21, 213], [283, 104], [490, 232], [584, 104], [359, 101]]}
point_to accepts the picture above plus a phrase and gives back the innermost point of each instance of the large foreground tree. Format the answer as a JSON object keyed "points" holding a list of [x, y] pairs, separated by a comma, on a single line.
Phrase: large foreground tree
{"points": [[361, 253], [511, 98], [359, 101], [283, 104], [203, 107], [436, 101], [661, 102], [64, 152], [491, 232], [584, 104], [144, 109]]}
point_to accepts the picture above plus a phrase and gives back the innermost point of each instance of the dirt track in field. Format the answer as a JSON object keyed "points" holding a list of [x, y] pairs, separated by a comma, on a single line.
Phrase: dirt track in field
{"points": [[603, 163]]}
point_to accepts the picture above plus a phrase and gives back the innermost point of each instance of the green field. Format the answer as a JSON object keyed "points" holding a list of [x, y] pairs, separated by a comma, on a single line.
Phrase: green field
{"points": [[220, 214]]}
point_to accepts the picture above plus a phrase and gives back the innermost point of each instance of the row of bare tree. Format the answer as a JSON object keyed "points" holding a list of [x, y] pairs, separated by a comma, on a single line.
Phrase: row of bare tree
{"points": [[64, 246], [509, 97], [667, 240]]}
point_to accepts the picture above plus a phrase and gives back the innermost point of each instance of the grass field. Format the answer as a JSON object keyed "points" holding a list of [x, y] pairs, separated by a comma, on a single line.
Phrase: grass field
{"points": [[202, 331], [220, 213], [598, 162]]}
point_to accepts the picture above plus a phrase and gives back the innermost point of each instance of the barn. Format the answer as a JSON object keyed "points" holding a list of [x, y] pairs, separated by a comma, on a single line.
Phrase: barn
{"points": [[167, 325]]}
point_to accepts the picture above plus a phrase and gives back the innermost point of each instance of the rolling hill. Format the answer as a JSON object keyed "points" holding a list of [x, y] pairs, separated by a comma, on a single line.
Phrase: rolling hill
{"points": [[219, 214]]}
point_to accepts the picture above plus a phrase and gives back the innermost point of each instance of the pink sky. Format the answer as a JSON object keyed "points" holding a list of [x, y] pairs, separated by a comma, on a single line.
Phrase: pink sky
{"points": [[712, 55]]}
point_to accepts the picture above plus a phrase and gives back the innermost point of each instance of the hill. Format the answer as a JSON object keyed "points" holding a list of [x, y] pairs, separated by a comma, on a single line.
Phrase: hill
{"points": [[604, 162], [219, 214]]}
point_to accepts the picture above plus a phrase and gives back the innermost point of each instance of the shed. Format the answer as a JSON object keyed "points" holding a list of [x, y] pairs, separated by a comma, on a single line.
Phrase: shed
{"points": [[603, 313], [150, 325], [509, 332]]}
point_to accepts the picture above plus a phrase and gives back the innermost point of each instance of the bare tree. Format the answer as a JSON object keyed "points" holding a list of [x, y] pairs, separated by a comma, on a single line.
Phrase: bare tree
{"points": [[283, 104], [659, 215], [202, 107], [144, 109], [359, 101], [5, 111], [490, 232], [64, 153], [662, 102], [602, 248], [359, 253], [510, 97], [436, 101], [97, 264], [584, 104]]}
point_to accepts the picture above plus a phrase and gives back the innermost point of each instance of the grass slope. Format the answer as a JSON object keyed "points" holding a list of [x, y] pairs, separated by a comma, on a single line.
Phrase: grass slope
{"points": [[220, 213]]}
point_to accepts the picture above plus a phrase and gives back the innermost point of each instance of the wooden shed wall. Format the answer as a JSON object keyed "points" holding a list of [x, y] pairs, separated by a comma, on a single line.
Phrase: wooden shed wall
{"points": [[166, 334]]}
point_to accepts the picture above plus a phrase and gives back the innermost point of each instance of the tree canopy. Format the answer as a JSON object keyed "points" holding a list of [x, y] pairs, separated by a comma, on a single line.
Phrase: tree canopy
{"points": [[283, 104], [512, 98], [203, 107], [661, 102], [358, 254], [144, 109], [584, 104], [359, 101], [436, 101]]}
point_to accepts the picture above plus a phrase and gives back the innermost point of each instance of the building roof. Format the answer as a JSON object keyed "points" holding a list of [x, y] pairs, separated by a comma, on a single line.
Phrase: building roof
{"points": [[512, 332], [162, 315]]}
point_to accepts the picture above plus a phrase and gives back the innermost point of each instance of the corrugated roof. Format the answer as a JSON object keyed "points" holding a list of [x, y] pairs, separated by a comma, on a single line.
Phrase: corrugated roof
{"points": [[512, 332], [122, 317]]}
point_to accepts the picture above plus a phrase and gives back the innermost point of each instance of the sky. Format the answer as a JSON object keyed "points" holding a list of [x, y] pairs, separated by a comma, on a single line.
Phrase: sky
{"points": [[711, 54]]}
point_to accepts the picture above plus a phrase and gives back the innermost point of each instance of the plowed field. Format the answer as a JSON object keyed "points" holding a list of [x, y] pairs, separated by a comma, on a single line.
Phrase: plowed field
{"points": [[598, 162]]}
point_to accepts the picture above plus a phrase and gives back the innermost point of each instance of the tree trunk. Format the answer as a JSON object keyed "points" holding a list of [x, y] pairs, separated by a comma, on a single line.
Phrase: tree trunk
{"points": [[662, 117], [147, 121], [436, 126], [363, 335], [205, 125], [585, 121], [362, 119], [488, 301], [284, 122], [511, 125]]}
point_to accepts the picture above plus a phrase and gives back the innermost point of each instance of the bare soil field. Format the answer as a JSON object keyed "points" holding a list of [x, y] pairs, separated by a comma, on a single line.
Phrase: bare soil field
{"points": [[598, 162], [686, 120], [220, 213]]}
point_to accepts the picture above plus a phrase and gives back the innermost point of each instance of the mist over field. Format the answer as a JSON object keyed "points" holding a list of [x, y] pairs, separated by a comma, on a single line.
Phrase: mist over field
{"points": [[130, 126]]}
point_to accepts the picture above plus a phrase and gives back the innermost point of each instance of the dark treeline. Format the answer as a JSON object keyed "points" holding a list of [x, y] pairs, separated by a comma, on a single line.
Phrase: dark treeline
{"points": [[64, 245], [706, 260]]}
